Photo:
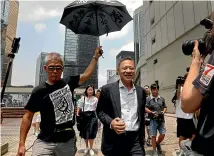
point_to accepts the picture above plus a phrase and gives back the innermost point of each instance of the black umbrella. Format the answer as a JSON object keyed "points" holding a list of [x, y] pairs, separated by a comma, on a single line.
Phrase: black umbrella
{"points": [[95, 17]]}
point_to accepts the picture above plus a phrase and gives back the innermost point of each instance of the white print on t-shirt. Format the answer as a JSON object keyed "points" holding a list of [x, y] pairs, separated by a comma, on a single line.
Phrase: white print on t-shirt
{"points": [[63, 105], [207, 75]]}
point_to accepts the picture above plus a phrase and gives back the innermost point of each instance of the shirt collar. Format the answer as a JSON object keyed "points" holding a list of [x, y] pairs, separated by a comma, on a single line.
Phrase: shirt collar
{"points": [[152, 97], [121, 85]]}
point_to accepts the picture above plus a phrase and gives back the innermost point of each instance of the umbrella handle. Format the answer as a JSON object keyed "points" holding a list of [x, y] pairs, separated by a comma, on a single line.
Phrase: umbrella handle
{"points": [[101, 51]]}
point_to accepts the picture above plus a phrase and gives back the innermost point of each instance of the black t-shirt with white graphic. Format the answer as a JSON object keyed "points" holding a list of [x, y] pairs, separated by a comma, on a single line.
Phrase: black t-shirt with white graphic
{"points": [[204, 140], [55, 103]]}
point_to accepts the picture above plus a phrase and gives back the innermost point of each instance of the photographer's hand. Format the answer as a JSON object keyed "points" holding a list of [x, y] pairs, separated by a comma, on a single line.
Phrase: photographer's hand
{"points": [[191, 97], [196, 55]]}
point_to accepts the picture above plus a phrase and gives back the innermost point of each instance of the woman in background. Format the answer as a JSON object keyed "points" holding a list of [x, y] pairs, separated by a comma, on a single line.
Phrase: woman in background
{"points": [[98, 96], [36, 123], [88, 105]]}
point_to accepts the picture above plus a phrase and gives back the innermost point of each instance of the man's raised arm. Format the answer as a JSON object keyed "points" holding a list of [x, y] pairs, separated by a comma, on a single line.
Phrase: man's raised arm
{"points": [[91, 67]]}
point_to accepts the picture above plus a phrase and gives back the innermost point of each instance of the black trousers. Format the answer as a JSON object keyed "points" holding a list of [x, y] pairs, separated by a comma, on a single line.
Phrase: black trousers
{"points": [[127, 144]]}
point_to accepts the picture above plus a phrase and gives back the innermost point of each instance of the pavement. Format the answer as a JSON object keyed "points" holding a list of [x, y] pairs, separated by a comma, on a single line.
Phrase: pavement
{"points": [[11, 127]]}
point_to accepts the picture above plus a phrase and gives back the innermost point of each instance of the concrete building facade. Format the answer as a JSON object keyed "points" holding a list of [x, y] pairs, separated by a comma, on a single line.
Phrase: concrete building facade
{"points": [[9, 10], [160, 27], [113, 78], [110, 73]]}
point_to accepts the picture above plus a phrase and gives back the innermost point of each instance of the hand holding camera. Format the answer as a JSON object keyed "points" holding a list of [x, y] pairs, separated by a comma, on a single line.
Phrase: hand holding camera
{"points": [[204, 45]]}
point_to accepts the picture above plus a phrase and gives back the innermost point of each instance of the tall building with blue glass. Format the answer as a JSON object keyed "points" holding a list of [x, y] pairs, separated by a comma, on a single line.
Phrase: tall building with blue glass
{"points": [[78, 52], [9, 18]]}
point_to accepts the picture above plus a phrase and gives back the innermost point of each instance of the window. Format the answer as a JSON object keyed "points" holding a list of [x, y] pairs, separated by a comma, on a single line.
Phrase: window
{"points": [[153, 40], [152, 21], [155, 61], [157, 82]]}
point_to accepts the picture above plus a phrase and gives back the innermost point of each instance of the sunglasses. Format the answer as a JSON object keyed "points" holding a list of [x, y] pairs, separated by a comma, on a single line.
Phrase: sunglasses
{"points": [[57, 68]]}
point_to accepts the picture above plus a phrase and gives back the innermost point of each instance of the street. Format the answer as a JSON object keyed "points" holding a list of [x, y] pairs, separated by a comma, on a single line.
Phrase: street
{"points": [[11, 127]]}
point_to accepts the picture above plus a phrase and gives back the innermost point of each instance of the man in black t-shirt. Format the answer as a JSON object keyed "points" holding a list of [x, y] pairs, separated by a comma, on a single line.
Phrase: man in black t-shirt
{"points": [[54, 100], [198, 93]]}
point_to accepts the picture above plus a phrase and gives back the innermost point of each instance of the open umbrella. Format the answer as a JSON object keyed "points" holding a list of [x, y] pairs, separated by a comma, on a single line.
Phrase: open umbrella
{"points": [[95, 17]]}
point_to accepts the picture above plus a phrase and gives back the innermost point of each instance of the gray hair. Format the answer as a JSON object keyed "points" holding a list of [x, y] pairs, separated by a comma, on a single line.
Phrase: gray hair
{"points": [[53, 56], [124, 59]]}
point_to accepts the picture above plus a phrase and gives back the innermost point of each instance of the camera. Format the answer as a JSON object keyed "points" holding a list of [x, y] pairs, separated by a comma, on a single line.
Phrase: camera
{"points": [[158, 116], [188, 45], [180, 80]]}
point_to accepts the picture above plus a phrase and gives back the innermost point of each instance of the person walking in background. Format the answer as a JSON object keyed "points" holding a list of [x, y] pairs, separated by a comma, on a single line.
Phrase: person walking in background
{"points": [[88, 104], [98, 94], [36, 123], [156, 107], [185, 125], [147, 118], [121, 109], [99, 122], [54, 100]]}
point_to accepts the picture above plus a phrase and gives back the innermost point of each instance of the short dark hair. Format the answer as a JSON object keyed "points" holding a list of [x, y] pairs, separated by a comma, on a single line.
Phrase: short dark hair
{"points": [[98, 91], [146, 86], [154, 86], [187, 69], [126, 58], [86, 94]]}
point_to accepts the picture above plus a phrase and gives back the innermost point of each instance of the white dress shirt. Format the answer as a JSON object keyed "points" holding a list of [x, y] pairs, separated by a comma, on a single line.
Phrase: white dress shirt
{"points": [[89, 105], [128, 100]]}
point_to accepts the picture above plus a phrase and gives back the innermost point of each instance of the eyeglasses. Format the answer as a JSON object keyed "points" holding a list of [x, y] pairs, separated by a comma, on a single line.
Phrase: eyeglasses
{"points": [[57, 68]]}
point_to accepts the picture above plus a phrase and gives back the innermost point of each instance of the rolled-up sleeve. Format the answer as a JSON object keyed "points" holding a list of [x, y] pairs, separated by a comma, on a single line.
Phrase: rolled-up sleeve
{"points": [[80, 102], [164, 103], [147, 102], [205, 79]]}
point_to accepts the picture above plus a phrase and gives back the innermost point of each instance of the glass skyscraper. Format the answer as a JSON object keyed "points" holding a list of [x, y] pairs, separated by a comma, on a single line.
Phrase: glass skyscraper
{"points": [[9, 18], [41, 74], [78, 52]]}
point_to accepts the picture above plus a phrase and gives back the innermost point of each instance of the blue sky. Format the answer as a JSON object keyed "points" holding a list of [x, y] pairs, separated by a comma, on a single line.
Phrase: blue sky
{"points": [[40, 31]]}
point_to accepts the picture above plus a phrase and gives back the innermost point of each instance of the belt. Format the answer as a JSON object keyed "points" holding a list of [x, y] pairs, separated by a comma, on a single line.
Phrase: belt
{"points": [[66, 129], [131, 132]]}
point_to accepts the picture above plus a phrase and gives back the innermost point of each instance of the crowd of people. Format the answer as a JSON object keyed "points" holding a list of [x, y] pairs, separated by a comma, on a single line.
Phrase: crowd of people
{"points": [[125, 110]]}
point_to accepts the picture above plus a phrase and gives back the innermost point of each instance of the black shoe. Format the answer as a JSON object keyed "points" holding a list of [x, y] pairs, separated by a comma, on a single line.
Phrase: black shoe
{"points": [[159, 150], [148, 142]]}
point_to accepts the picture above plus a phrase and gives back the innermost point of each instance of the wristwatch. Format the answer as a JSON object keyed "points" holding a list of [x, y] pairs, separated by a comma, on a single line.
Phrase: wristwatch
{"points": [[95, 57]]}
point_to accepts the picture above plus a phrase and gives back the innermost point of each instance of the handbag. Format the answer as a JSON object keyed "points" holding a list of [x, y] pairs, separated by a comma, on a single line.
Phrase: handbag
{"points": [[80, 118], [147, 119]]}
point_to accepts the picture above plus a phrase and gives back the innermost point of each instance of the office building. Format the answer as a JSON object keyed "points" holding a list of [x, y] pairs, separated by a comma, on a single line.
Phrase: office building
{"points": [[110, 73], [9, 17], [78, 52], [124, 54], [113, 78], [41, 74], [160, 27]]}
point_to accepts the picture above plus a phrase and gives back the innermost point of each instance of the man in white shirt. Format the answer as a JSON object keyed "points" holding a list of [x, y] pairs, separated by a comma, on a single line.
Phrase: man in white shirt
{"points": [[185, 125]]}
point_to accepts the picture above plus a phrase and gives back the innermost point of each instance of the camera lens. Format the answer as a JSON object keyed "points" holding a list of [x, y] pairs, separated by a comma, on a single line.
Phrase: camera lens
{"points": [[188, 46]]}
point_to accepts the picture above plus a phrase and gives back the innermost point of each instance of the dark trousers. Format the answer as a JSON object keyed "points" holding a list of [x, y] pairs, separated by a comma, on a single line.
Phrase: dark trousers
{"points": [[127, 144]]}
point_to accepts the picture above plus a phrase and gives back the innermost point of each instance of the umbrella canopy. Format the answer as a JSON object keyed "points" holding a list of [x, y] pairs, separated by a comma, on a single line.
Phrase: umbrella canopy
{"points": [[95, 17]]}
